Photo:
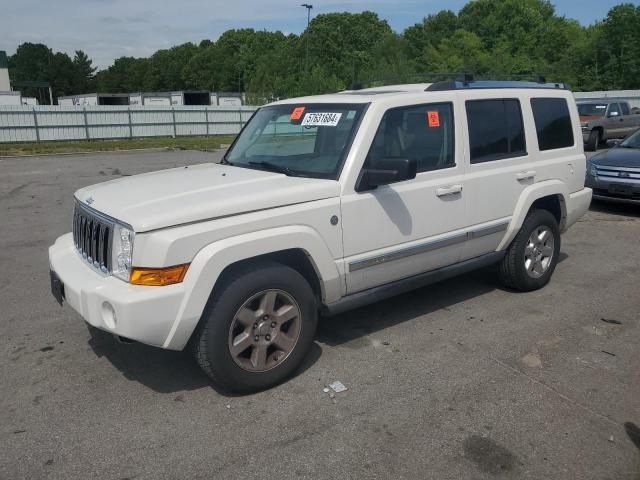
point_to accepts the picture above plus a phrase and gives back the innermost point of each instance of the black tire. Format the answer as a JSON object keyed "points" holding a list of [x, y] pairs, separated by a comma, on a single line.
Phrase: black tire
{"points": [[594, 140], [512, 270], [210, 342]]}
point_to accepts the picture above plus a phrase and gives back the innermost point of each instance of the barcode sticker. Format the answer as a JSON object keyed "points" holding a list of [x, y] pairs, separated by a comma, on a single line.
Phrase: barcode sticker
{"points": [[321, 119]]}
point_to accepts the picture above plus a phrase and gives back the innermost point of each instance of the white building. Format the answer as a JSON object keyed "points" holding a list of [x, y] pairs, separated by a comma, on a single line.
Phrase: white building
{"points": [[5, 85], [90, 99]]}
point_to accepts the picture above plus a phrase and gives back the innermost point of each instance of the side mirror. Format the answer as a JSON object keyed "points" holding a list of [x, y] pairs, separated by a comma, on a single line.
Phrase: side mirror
{"points": [[388, 170], [613, 143], [613, 114]]}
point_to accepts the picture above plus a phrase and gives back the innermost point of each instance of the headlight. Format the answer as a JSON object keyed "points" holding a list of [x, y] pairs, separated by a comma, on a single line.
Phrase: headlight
{"points": [[122, 252], [591, 169]]}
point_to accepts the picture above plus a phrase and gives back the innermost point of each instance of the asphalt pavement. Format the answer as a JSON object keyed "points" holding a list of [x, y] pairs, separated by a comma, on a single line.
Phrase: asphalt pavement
{"points": [[459, 380]]}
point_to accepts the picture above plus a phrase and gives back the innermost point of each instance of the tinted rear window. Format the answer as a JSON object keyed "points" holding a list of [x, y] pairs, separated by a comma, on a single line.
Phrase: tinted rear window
{"points": [[553, 123], [496, 130], [625, 108]]}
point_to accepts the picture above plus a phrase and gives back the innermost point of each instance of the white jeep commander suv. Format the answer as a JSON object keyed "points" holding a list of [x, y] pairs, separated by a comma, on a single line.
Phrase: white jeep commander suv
{"points": [[323, 204]]}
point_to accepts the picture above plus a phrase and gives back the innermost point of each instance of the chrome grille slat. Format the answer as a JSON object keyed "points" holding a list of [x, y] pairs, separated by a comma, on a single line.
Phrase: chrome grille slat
{"points": [[92, 236], [618, 173], [100, 256]]}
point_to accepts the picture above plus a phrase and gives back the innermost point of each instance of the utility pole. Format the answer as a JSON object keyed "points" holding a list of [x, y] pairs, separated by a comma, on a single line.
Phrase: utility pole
{"points": [[308, 6]]}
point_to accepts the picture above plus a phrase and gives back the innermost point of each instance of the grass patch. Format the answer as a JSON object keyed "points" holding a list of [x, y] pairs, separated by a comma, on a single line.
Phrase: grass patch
{"points": [[180, 143]]}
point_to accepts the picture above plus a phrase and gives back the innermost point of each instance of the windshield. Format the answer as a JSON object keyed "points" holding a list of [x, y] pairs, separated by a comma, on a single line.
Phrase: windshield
{"points": [[592, 109], [309, 140], [632, 141]]}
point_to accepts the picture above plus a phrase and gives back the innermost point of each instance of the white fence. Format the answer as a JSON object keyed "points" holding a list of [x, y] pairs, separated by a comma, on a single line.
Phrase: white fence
{"points": [[46, 123], [630, 96]]}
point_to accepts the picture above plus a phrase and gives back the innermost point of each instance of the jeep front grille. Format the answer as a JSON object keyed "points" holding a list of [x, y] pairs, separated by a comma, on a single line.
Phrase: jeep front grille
{"points": [[92, 235]]}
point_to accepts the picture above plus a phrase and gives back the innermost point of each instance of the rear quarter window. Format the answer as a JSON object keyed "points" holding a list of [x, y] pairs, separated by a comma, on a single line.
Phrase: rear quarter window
{"points": [[553, 123]]}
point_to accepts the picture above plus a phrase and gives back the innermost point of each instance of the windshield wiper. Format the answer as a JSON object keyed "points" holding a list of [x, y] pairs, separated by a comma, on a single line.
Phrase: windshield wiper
{"points": [[275, 168]]}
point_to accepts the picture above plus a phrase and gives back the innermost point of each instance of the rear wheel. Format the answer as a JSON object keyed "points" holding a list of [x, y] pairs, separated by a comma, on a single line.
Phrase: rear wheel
{"points": [[532, 256], [594, 140], [257, 329]]}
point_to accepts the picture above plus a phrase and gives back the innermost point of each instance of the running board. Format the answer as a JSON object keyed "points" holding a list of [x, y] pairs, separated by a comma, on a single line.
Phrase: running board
{"points": [[392, 289]]}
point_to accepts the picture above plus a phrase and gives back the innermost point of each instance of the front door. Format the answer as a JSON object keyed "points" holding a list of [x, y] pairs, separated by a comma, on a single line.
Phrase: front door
{"points": [[400, 230], [614, 122]]}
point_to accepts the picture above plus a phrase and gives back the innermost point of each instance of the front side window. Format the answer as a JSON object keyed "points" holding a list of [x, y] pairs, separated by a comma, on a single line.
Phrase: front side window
{"points": [[553, 123], [424, 133], [308, 140], [614, 110], [496, 130]]}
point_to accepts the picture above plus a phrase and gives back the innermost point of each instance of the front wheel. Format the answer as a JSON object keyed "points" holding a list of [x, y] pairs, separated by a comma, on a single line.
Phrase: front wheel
{"points": [[533, 255], [257, 328], [593, 141]]}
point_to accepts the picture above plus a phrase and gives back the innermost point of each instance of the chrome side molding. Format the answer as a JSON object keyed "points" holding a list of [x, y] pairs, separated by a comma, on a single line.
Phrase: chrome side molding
{"points": [[427, 246]]}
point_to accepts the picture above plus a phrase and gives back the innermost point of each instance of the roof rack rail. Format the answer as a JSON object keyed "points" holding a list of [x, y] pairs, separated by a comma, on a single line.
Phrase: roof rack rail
{"points": [[466, 81], [421, 77]]}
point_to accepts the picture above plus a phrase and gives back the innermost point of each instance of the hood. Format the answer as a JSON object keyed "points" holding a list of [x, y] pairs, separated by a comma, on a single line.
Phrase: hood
{"points": [[201, 192], [618, 157]]}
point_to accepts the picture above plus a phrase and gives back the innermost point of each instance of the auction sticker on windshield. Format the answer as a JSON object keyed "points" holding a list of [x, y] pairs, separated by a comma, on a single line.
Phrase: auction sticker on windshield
{"points": [[320, 119]]}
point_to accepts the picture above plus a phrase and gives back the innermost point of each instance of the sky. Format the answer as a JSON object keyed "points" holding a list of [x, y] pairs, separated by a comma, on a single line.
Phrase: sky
{"points": [[108, 29]]}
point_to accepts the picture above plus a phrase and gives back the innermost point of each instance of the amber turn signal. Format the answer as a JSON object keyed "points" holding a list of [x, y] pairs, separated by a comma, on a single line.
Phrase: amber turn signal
{"points": [[158, 277]]}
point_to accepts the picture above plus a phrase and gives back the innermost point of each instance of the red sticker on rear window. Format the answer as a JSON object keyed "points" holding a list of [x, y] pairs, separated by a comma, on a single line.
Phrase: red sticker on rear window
{"points": [[433, 119], [297, 113]]}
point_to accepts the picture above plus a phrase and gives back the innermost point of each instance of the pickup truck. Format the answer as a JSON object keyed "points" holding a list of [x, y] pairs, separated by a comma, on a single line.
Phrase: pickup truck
{"points": [[602, 120]]}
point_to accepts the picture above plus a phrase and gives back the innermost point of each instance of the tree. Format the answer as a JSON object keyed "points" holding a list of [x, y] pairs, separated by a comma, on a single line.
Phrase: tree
{"points": [[37, 62], [620, 44], [343, 43], [61, 74], [490, 38], [127, 74], [84, 72], [432, 30], [166, 66]]}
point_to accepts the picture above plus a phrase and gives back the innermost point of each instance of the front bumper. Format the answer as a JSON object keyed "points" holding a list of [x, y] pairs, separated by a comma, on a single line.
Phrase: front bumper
{"points": [[614, 190], [144, 314]]}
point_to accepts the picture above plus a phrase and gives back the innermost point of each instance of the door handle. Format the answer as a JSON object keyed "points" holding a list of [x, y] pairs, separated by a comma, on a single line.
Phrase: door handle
{"points": [[526, 175], [449, 190]]}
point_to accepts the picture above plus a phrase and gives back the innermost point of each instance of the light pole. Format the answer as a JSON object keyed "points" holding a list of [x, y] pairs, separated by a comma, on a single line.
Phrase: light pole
{"points": [[308, 7]]}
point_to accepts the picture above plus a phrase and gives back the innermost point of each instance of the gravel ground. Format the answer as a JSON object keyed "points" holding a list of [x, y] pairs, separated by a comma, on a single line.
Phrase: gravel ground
{"points": [[458, 380]]}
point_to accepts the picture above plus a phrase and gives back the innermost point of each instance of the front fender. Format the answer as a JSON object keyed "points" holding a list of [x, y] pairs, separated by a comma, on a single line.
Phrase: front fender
{"points": [[527, 197], [209, 263]]}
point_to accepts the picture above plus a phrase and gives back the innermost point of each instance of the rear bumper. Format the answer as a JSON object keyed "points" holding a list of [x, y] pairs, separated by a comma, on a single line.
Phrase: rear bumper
{"points": [[577, 205], [145, 314]]}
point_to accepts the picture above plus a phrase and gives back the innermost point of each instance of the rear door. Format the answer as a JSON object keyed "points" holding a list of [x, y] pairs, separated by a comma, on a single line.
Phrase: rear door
{"points": [[499, 166]]}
